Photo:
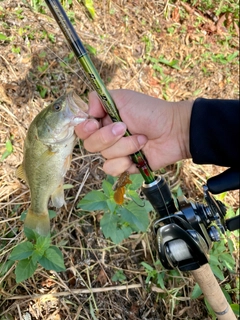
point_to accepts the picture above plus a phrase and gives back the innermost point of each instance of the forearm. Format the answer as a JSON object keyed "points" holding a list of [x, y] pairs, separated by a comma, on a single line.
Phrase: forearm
{"points": [[215, 132]]}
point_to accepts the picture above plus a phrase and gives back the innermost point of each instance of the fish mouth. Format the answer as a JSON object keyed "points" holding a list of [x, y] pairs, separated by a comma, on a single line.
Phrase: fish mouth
{"points": [[78, 107]]}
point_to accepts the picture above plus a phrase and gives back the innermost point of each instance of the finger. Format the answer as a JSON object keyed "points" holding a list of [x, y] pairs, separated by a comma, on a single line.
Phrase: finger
{"points": [[116, 166], [95, 107], [105, 137], [86, 128], [125, 146]]}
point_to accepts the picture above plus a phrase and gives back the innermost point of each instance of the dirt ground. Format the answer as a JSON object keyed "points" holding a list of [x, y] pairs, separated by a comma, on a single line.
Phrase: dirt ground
{"points": [[127, 41]]}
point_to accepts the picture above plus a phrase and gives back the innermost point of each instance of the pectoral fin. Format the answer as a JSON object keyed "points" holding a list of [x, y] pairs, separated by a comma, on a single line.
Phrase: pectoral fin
{"points": [[45, 157], [66, 165], [58, 197]]}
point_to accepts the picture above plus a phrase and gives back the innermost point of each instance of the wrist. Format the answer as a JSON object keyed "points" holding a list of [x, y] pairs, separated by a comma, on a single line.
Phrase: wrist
{"points": [[184, 111]]}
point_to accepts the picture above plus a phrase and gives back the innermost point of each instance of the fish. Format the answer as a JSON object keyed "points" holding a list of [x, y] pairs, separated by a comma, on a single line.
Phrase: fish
{"points": [[47, 154]]}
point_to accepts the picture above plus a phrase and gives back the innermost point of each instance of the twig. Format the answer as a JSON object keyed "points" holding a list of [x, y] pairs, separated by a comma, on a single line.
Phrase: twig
{"points": [[74, 291]]}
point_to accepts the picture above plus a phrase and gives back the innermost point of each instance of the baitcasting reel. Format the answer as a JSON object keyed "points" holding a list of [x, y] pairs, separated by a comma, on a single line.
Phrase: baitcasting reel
{"points": [[185, 231]]}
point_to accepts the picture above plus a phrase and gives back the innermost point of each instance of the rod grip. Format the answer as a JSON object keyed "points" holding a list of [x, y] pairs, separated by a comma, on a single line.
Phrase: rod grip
{"points": [[213, 293]]}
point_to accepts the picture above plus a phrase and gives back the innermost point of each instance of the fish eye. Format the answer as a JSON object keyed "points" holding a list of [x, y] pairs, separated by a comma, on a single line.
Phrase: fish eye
{"points": [[57, 107]]}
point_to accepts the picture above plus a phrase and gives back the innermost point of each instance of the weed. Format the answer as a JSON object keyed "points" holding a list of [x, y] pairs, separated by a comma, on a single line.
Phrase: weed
{"points": [[42, 91], [43, 67], [16, 50], [90, 49], [118, 222], [148, 44], [71, 16], [119, 276], [90, 7], [9, 149], [28, 254], [3, 37], [221, 57], [39, 6], [154, 275], [18, 13], [171, 30], [216, 6]]}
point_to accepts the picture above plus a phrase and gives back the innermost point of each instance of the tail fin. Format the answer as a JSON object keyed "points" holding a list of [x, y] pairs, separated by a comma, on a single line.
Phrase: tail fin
{"points": [[38, 222]]}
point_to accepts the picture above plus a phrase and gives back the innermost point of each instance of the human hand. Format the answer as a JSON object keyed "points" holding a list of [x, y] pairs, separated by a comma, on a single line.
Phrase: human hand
{"points": [[158, 127]]}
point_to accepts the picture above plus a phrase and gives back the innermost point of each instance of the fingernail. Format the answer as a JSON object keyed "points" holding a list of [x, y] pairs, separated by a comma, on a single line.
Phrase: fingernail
{"points": [[119, 128], [91, 126], [142, 140]]}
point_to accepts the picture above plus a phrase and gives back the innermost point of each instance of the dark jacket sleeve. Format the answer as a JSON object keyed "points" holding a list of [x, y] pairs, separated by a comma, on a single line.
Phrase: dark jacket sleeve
{"points": [[215, 132]]}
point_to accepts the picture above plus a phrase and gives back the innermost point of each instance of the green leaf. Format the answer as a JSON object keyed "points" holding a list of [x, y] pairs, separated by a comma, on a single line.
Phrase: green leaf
{"points": [[107, 188], [134, 196], [109, 224], [136, 216], [36, 257], [160, 280], [121, 233], [8, 151], [52, 214], [111, 205], [9, 146], [213, 260], [4, 155], [230, 245], [218, 247], [94, 200], [25, 269], [197, 291], [113, 227], [227, 295], [23, 216], [230, 213], [111, 179], [90, 7], [92, 311], [227, 260], [137, 181], [29, 233], [232, 56], [52, 260], [22, 251], [3, 37], [118, 276], [90, 49], [217, 271], [42, 244], [5, 266], [236, 308], [172, 64], [147, 266], [210, 310]]}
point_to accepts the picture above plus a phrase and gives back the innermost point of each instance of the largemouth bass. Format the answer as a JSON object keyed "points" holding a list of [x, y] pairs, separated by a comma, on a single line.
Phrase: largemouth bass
{"points": [[47, 156]]}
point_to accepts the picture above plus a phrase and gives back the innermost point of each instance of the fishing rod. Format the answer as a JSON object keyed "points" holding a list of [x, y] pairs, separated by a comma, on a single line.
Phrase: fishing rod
{"points": [[95, 79], [184, 232], [155, 188]]}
